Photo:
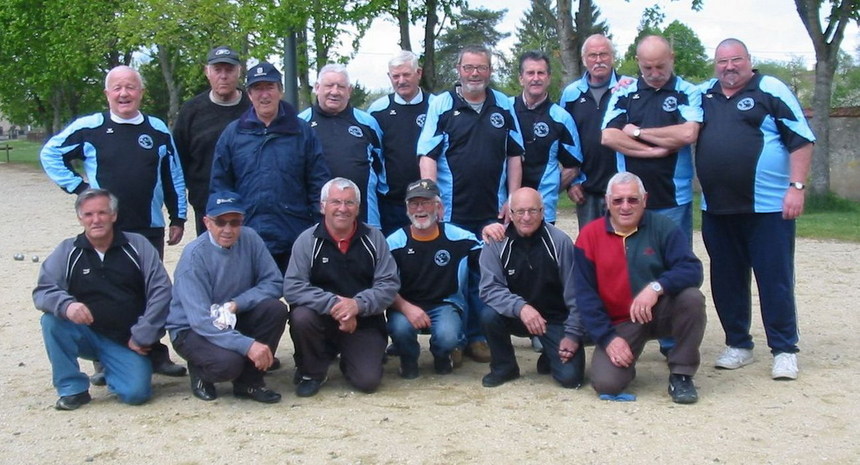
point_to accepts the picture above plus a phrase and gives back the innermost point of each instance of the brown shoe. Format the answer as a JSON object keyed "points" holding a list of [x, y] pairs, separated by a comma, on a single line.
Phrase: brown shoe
{"points": [[457, 357], [479, 351]]}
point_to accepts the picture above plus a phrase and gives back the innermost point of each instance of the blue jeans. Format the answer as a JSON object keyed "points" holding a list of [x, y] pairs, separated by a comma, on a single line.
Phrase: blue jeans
{"points": [[446, 332], [682, 215], [593, 208], [474, 305], [128, 374], [499, 329]]}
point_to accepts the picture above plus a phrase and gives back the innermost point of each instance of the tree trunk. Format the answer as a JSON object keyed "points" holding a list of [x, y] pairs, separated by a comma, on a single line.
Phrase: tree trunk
{"points": [[168, 68], [566, 37], [303, 65], [403, 22], [428, 77], [584, 25]]}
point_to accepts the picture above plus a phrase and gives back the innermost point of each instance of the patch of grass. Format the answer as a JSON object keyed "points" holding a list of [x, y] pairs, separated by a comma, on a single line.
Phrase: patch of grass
{"points": [[23, 151]]}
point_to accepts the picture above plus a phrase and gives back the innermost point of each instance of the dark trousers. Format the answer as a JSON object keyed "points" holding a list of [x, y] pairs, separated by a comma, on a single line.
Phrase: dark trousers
{"points": [[199, 213], [392, 215], [282, 260], [681, 316], [499, 328], [318, 341], [264, 323], [762, 243]]}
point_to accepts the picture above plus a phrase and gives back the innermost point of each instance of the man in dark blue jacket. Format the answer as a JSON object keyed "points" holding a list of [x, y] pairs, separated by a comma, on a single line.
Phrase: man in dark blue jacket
{"points": [[273, 160]]}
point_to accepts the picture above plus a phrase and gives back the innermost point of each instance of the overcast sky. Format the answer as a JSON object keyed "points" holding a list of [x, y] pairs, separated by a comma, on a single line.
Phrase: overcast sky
{"points": [[771, 29]]}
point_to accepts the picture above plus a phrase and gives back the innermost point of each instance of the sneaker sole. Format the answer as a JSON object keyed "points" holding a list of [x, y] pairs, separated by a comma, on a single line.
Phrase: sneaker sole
{"points": [[784, 376], [733, 366]]}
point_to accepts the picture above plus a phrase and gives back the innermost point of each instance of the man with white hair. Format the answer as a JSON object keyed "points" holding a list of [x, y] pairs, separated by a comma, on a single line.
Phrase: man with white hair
{"points": [[401, 116], [133, 156], [350, 138]]}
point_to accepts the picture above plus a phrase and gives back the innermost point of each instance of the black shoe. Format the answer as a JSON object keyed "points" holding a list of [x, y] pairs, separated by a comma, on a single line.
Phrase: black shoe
{"points": [[442, 365], [392, 351], [682, 390], [408, 369], [308, 387], [543, 367], [276, 363], [98, 376], [493, 379], [168, 368], [258, 393], [73, 401], [201, 389]]}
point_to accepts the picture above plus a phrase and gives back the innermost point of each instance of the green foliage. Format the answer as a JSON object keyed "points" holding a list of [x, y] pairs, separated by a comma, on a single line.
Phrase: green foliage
{"points": [[846, 82], [691, 62], [472, 27], [794, 74]]}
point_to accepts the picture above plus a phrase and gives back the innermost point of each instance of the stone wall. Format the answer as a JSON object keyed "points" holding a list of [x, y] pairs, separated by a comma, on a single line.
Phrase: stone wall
{"points": [[845, 152]]}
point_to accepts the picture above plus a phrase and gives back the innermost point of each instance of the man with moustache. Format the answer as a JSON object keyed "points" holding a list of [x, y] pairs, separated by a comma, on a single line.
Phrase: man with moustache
{"points": [[651, 124], [226, 317], [637, 279], [401, 116], [752, 158], [433, 260], [105, 296], [587, 99], [340, 280], [351, 139], [133, 156], [527, 283], [549, 134], [274, 161], [472, 147], [201, 120]]}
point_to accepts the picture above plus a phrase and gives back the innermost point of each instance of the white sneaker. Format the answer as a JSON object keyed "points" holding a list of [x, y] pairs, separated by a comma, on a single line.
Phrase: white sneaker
{"points": [[733, 358], [784, 366]]}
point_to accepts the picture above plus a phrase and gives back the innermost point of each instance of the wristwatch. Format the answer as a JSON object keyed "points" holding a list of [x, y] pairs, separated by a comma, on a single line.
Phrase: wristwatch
{"points": [[656, 287], [637, 132], [797, 185]]}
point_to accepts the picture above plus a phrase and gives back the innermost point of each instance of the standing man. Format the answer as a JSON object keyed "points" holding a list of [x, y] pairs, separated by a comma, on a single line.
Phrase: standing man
{"points": [[274, 161], [132, 155], [527, 283], [351, 139], [549, 134], [105, 294], [752, 157], [637, 279], [586, 100], [433, 259], [226, 318], [401, 116], [472, 147], [201, 120], [651, 124], [340, 280]]}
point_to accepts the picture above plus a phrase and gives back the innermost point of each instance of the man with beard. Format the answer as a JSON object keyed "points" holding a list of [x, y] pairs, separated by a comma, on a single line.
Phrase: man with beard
{"points": [[433, 259], [472, 147], [350, 139]]}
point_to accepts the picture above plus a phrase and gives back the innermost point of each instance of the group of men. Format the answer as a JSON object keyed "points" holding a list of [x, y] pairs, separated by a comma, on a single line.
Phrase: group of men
{"points": [[290, 205]]}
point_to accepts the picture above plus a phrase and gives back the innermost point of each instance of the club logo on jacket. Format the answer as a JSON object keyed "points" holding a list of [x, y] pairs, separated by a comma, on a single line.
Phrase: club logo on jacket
{"points": [[421, 119], [541, 129], [746, 104], [497, 120], [145, 141], [355, 131], [442, 257], [670, 104]]}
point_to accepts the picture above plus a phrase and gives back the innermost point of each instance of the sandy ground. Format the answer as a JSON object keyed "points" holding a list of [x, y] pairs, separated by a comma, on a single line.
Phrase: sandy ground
{"points": [[742, 416]]}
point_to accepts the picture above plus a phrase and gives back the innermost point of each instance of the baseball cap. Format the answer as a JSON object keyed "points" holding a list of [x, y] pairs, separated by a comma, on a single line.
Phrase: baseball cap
{"points": [[424, 188], [224, 202], [262, 72], [222, 54]]}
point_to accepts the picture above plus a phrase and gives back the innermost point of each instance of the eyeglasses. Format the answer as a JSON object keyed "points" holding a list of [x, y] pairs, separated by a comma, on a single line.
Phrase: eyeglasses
{"points": [[426, 203], [630, 201], [337, 203], [221, 222], [735, 61], [472, 68], [598, 56], [522, 212]]}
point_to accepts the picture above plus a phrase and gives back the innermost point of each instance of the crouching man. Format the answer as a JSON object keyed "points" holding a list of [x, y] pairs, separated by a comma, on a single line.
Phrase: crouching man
{"points": [[105, 295], [226, 318]]}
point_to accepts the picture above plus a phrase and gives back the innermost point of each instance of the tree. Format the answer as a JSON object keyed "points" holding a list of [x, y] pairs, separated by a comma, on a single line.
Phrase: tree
{"points": [[572, 30], [472, 27], [691, 62], [826, 38], [794, 74], [846, 82]]}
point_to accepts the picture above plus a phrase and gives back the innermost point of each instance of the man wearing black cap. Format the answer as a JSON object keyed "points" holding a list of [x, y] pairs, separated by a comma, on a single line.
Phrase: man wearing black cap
{"points": [[274, 161], [226, 317], [433, 259], [201, 120]]}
